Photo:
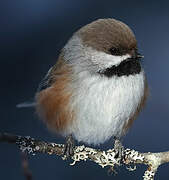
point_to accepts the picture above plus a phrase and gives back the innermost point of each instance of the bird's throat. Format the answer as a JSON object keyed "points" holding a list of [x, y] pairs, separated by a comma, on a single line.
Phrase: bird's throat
{"points": [[125, 68]]}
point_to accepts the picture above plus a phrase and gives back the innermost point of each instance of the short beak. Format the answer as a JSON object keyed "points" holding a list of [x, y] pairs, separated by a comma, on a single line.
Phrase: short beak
{"points": [[135, 55], [139, 56]]}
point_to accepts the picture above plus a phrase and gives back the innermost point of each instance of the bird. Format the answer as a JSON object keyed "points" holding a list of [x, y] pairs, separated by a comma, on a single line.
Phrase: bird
{"points": [[97, 87]]}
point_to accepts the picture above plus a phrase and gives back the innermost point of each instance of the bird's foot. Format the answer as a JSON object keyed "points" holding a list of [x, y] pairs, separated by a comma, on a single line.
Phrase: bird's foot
{"points": [[119, 150], [111, 171], [119, 155], [69, 147]]}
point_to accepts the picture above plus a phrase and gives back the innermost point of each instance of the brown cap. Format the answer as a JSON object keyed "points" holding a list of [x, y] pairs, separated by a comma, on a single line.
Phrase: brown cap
{"points": [[104, 34]]}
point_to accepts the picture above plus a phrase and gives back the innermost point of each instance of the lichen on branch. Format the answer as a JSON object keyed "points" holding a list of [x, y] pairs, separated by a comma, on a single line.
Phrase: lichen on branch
{"points": [[106, 158]]}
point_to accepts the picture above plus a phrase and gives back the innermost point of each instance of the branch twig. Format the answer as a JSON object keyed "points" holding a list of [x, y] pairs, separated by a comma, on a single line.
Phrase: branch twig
{"points": [[25, 166], [82, 153]]}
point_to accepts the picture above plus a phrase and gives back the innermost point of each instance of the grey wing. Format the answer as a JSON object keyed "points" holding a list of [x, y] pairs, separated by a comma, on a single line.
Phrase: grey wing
{"points": [[46, 81], [26, 104]]}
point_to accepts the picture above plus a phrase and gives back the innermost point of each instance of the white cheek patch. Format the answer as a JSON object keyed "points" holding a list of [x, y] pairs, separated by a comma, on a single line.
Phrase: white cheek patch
{"points": [[75, 52], [104, 60]]}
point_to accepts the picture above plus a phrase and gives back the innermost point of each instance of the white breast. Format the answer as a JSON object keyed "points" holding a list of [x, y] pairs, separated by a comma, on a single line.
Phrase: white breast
{"points": [[103, 105]]}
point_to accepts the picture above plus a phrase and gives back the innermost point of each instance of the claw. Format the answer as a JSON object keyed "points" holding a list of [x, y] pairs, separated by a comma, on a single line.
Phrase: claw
{"points": [[119, 149], [111, 171], [69, 147]]}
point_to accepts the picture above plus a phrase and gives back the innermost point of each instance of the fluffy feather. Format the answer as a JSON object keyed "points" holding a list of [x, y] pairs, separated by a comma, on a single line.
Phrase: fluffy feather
{"points": [[103, 106], [84, 103]]}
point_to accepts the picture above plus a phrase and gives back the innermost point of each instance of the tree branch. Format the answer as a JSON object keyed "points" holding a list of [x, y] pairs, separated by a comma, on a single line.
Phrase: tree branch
{"points": [[82, 153], [25, 166]]}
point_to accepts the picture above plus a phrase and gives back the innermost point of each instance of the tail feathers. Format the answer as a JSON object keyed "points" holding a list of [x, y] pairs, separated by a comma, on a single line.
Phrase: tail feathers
{"points": [[26, 105]]}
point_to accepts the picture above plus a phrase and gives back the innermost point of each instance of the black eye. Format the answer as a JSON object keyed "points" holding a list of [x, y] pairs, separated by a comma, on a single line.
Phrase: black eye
{"points": [[115, 51]]}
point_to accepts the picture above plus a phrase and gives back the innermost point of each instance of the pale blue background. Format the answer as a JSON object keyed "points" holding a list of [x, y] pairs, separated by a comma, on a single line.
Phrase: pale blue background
{"points": [[32, 32]]}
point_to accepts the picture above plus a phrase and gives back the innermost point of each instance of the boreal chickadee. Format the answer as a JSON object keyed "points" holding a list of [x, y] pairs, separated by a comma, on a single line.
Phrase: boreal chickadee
{"points": [[97, 87]]}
